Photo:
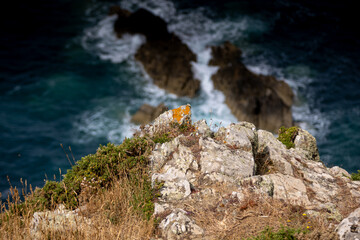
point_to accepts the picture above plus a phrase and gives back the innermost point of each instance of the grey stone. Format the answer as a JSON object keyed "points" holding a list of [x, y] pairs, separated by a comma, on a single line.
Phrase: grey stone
{"points": [[305, 141], [60, 220], [178, 226], [349, 228]]}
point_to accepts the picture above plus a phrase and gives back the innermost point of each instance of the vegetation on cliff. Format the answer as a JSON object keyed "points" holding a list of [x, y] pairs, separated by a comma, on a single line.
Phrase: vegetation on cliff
{"points": [[355, 176], [114, 182], [287, 136], [112, 188]]}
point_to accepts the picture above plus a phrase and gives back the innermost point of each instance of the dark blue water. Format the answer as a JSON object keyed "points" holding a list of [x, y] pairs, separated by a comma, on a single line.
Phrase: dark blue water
{"points": [[66, 79]]}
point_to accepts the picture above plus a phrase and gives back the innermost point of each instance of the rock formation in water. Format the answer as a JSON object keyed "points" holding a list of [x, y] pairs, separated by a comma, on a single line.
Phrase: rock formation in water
{"points": [[208, 179], [164, 56], [259, 99]]}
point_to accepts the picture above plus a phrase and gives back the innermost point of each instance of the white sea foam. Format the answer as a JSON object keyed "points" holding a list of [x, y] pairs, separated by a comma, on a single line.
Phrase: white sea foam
{"points": [[101, 123], [102, 41], [162, 8]]}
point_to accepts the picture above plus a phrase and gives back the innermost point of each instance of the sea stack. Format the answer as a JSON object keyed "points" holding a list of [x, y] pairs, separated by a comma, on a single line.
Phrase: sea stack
{"points": [[259, 99], [164, 56]]}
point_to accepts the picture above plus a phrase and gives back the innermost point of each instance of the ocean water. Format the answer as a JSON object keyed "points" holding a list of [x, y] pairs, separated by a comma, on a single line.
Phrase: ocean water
{"points": [[66, 79]]}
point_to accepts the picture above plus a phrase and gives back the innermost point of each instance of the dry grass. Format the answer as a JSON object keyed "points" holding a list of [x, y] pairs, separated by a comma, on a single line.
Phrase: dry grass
{"points": [[117, 212], [111, 213], [230, 219]]}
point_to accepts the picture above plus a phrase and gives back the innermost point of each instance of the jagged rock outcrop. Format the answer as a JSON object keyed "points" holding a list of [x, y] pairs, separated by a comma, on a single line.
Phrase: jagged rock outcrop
{"points": [[60, 220], [148, 113], [259, 99], [164, 56], [349, 228], [239, 161]]}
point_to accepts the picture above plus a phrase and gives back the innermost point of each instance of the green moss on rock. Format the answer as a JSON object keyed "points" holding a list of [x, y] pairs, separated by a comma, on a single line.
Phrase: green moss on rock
{"points": [[287, 136]]}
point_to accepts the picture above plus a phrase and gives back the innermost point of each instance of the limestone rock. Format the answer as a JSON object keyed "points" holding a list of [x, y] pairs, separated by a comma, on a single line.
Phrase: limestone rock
{"points": [[273, 153], [171, 163], [236, 163], [60, 220], [164, 56], [222, 163], [305, 141], [203, 129], [279, 186], [349, 228], [339, 172], [240, 135], [259, 99], [178, 226], [148, 113]]}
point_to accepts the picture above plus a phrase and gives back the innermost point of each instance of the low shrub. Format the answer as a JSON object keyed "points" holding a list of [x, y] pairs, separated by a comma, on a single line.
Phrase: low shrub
{"points": [[97, 171]]}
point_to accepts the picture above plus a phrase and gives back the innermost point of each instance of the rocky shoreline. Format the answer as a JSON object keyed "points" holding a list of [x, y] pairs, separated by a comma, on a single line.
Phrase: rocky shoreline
{"points": [[259, 99]]}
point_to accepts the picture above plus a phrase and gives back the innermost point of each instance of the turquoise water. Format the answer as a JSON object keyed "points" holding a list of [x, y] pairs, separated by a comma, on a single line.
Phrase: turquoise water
{"points": [[66, 79]]}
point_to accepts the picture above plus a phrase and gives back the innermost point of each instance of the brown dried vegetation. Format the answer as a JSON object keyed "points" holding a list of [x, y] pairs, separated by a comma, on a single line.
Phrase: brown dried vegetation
{"points": [[111, 213]]}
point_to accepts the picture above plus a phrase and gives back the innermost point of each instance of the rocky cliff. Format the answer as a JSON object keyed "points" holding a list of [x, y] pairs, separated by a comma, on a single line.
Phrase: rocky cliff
{"points": [[238, 180]]}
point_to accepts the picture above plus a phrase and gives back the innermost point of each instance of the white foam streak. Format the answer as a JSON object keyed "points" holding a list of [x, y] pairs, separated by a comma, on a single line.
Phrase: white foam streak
{"points": [[96, 123], [211, 103], [102, 41]]}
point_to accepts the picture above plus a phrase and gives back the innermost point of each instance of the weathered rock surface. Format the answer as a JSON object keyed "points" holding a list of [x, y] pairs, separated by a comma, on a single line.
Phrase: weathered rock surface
{"points": [[259, 99], [178, 226], [239, 160], [178, 115], [164, 56], [59, 220], [349, 228], [148, 113]]}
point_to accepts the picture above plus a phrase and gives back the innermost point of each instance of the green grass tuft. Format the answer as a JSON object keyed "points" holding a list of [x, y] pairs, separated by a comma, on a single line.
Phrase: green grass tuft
{"points": [[287, 136]]}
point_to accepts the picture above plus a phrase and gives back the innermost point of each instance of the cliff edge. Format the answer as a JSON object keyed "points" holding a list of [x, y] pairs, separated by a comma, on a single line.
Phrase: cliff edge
{"points": [[234, 182]]}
